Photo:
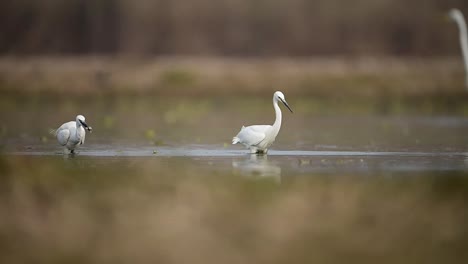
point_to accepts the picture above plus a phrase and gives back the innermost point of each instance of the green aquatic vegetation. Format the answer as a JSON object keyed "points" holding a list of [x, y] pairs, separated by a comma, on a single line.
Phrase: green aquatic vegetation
{"points": [[187, 111], [150, 134], [44, 139], [465, 110], [3, 130], [108, 122], [178, 77]]}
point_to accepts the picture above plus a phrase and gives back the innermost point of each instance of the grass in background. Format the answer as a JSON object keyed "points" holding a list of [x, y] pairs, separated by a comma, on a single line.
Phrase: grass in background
{"points": [[165, 76]]}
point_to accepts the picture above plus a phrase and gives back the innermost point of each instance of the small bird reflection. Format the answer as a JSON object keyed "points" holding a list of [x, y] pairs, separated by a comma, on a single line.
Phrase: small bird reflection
{"points": [[258, 166]]}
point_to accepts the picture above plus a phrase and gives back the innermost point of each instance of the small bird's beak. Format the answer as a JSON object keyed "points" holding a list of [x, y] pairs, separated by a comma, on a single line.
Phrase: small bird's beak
{"points": [[86, 126], [286, 104]]}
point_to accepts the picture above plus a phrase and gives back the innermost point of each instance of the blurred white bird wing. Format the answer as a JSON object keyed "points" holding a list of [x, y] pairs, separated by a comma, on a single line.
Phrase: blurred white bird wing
{"points": [[63, 132], [253, 135], [63, 135]]}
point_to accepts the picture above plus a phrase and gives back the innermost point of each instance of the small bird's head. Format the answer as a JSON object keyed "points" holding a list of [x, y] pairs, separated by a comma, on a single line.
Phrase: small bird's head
{"points": [[81, 121], [279, 96]]}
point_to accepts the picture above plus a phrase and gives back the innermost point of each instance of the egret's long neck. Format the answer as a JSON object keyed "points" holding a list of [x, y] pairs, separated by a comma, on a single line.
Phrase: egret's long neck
{"points": [[78, 126], [277, 124], [464, 44]]}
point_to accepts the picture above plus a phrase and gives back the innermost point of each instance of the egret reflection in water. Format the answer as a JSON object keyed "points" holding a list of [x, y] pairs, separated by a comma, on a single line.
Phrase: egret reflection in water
{"points": [[258, 166]]}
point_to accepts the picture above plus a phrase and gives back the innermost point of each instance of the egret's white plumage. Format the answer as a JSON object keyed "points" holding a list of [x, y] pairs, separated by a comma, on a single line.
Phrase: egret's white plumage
{"points": [[457, 16], [259, 138], [72, 134]]}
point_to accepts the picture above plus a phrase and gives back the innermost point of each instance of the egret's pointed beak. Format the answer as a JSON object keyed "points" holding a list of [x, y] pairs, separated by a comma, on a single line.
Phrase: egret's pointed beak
{"points": [[83, 123], [286, 104]]}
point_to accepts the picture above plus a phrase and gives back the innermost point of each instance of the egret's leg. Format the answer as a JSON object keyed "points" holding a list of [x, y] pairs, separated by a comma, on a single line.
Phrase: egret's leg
{"points": [[262, 151], [253, 150]]}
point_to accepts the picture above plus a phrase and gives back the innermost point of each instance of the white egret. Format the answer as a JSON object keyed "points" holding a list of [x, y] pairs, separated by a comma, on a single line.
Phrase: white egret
{"points": [[258, 138], [72, 134], [457, 16]]}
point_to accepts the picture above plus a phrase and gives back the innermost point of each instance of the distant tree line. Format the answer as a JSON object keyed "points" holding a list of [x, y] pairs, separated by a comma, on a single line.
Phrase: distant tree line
{"points": [[229, 27]]}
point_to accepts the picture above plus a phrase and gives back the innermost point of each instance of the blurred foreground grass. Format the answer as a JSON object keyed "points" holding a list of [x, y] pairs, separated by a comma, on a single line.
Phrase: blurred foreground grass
{"points": [[361, 76], [164, 210]]}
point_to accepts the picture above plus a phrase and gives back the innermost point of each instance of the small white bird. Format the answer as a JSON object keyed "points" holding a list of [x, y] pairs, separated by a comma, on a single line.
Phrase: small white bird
{"points": [[72, 134], [259, 138], [457, 16]]}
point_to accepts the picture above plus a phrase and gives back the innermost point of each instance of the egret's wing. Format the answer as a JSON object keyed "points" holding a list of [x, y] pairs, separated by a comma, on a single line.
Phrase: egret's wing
{"points": [[63, 135], [252, 135], [63, 132], [68, 125]]}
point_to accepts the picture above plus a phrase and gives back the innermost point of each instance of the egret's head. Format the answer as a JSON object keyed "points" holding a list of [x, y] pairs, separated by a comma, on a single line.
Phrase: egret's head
{"points": [[279, 96], [81, 121], [455, 14]]}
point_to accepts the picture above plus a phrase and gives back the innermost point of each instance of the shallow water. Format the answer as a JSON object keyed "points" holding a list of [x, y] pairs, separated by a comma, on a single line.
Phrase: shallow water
{"points": [[293, 161], [321, 136]]}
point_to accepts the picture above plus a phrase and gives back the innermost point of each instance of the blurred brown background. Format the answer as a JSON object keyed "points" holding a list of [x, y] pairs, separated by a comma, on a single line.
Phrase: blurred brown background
{"points": [[229, 27], [371, 167]]}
